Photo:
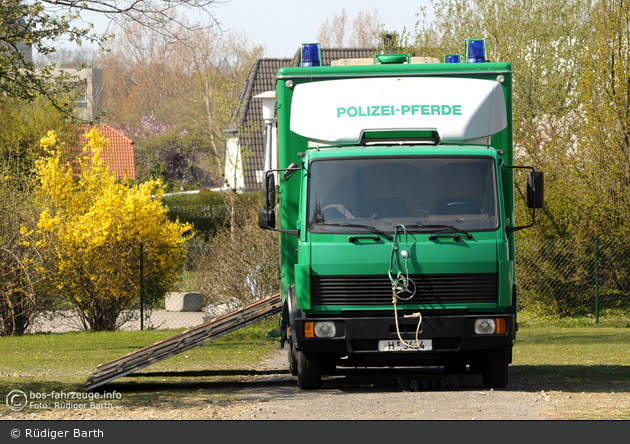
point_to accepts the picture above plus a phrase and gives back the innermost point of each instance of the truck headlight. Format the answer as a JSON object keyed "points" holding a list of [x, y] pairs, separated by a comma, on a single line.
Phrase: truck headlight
{"points": [[485, 326], [325, 329]]}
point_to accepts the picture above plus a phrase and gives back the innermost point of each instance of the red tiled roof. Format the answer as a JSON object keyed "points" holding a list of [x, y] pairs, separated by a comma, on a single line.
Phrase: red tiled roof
{"points": [[119, 156]]}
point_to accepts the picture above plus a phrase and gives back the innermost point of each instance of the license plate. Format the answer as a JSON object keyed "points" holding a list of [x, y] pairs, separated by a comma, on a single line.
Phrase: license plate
{"points": [[395, 346]]}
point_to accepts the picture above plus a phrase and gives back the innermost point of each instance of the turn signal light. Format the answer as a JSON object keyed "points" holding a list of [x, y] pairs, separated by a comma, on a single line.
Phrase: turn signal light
{"points": [[309, 330]]}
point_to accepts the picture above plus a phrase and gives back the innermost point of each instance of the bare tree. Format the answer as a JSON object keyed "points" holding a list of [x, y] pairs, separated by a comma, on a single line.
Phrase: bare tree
{"points": [[338, 30], [147, 75], [76, 58], [219, 68], [364, 30], [152, 14], [324, 35], [334, 34], [194, 82]]}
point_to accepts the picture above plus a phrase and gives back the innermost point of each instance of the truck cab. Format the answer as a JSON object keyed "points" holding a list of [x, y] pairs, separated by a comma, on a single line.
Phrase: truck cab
{"points": [[395, 202]]}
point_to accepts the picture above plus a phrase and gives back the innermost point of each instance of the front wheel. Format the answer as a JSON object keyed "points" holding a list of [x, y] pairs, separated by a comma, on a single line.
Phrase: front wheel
{"points": [[309, 375], [495, 372], [292, 359]]}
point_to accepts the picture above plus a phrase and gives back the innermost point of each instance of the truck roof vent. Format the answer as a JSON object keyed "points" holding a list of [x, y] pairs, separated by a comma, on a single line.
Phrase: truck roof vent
{"points": [[424, 137]]}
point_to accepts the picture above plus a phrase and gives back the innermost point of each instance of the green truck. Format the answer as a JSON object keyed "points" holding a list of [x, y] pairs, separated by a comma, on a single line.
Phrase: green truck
{"points": [[394, 199]]}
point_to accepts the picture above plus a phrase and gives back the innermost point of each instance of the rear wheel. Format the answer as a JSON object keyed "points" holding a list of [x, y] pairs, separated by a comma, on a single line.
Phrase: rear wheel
{"points": [[495, 373], [309, 375]]}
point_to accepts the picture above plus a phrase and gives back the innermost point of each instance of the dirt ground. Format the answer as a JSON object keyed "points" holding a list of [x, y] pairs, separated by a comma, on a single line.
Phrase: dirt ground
{"points": [[271, 393]]}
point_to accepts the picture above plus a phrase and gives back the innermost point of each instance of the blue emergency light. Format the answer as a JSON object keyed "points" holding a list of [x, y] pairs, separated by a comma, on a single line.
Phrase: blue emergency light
{"points": [[452, 58], [311, 55], [476, 50]]}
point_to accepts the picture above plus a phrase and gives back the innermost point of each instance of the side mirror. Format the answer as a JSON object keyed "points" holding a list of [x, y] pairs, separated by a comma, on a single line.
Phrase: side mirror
{"points": [[535, 189], [266, 219], [535, 194], [269, 191], [290, 170]]}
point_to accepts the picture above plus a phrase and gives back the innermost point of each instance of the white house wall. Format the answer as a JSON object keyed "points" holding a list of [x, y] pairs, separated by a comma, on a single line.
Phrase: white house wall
{"points": [[234, 177]]}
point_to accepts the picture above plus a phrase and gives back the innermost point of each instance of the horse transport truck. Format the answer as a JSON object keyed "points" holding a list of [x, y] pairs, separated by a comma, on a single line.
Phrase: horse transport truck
{"points": [[394, 198]]}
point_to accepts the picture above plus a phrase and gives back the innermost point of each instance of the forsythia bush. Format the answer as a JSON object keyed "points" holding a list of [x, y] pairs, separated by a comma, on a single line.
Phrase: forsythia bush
{"points": [[90, 232]]}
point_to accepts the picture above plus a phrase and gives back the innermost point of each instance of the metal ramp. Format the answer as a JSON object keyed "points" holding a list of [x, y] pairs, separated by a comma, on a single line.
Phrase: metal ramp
{"points": [[184, 341]]}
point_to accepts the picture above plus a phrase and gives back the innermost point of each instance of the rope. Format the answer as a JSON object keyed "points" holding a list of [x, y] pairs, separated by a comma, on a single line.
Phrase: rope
{"points": [[400, 284]]}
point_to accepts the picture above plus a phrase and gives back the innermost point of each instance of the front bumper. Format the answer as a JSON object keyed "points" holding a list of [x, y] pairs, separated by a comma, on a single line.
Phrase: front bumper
{"points": [[450, 335]]}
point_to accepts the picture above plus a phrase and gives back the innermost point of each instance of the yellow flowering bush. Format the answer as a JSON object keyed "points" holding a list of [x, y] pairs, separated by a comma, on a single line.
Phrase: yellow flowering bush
{"points": [[91, 229]]}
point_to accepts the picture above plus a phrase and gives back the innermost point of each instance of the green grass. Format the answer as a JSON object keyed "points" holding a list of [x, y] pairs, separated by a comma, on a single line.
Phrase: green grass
{"points": [[47, 362], [592, 365], [607, 318]]}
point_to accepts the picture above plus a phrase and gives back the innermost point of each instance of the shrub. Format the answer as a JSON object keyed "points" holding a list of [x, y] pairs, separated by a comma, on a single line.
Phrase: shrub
{"points": [[90, 232], [240, 263]]}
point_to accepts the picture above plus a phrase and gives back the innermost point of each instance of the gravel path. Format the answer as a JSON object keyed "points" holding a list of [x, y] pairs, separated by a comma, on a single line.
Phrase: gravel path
{"points": [[353, 395]]}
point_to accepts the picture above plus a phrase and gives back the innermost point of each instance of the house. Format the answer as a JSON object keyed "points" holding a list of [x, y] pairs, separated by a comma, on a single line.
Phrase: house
{"points": [[251, 138], [89, 84], [119, 157]]}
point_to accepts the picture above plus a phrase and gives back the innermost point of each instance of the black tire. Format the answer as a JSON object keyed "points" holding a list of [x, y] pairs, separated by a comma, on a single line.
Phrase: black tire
{"points": [[292, 359], [495, 373], [309, 376]]}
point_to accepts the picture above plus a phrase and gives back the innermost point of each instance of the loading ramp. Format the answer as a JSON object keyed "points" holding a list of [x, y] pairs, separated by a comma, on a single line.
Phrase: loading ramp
{"points": [[181, 342]]}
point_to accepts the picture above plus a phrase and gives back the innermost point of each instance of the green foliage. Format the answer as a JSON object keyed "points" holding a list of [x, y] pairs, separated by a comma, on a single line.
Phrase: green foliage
{"points": [[30, 24], [20, 300], [541, 40], [181, 156], [205, 211], [544, 43], [43, 24], [605, 92], [21, 295], [23, 124]]}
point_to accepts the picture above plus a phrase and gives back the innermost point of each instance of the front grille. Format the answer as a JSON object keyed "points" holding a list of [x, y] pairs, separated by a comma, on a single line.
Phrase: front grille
{"points": [[430, 289]]}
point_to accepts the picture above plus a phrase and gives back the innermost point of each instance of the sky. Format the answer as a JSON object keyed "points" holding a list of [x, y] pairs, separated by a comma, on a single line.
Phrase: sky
{"points": [[281, 26]]}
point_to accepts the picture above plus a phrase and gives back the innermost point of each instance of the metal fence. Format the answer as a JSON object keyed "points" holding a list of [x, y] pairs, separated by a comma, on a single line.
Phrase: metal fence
{"points": [[574, 277]]}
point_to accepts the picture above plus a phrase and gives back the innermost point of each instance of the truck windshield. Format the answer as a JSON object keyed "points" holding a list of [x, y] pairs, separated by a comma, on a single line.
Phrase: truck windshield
{"points": [[384, 192]]}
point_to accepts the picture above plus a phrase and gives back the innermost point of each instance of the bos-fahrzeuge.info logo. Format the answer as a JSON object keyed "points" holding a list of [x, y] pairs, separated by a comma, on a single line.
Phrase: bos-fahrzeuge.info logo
{"points": [[402, 110], [17, 400]]}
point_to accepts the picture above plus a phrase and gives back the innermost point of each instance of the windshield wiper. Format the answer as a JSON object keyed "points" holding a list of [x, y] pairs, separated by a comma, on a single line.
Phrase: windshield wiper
{"points": [[367, 227], [440, 228]]}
